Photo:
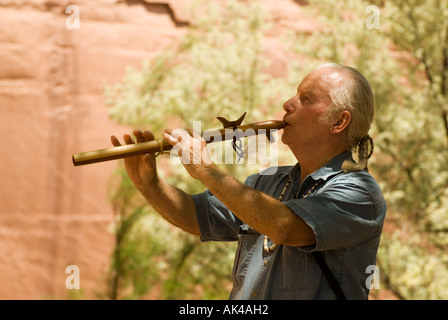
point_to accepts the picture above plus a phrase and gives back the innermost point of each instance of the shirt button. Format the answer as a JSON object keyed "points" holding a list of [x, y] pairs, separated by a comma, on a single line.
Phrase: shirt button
{"points": [[266, 262], [254, 294]]}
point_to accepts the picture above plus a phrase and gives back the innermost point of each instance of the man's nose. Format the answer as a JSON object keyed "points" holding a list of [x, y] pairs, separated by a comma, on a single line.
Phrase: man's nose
{"points": [[288, 106]]}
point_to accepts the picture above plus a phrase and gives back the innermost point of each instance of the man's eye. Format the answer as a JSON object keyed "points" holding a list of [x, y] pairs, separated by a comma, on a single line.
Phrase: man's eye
{"points": [[305, 99]]}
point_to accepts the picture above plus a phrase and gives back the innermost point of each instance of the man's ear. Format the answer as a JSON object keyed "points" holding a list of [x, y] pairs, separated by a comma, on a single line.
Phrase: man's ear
{"points": [[341, 122]]}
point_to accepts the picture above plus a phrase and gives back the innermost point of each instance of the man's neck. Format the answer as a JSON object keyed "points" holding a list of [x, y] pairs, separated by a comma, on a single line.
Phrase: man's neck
{"points": [[308, 166], [312, 160]]}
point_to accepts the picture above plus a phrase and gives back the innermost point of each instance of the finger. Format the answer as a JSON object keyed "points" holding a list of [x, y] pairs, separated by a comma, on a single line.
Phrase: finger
{"points": [[173, 137], [177, 134], [169, 138], [148, 158], [148, 135], [127, 138], [139, 136], [181, 134], [115, 141], [194, 134], [169, 131]]}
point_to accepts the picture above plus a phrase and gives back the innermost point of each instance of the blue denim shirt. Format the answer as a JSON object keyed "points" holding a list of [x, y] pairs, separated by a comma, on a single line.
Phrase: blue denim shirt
{"points": [[346, 214]]}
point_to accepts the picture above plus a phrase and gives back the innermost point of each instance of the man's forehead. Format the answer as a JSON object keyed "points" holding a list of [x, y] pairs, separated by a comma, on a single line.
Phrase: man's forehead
{"points": [[320, 81], [312, 86]]}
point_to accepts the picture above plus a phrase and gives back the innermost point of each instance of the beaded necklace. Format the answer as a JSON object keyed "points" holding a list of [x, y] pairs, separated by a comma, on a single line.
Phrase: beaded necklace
{"points": [[268, 248]]}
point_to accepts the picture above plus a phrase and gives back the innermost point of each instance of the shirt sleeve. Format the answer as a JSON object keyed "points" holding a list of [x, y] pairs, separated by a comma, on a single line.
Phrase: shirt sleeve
{"points": [[216, 222], [343, 214]]}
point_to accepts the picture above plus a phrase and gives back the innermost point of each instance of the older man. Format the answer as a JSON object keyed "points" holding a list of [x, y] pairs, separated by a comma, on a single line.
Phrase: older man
{"points": [[303, 225]]}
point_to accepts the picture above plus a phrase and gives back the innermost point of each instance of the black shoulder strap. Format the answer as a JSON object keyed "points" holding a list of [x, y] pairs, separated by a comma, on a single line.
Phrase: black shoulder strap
{"points": [[334, 284]]}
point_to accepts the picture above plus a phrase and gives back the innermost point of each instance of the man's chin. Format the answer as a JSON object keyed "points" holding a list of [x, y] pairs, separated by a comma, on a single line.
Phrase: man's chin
{"points": [[284, 139]]}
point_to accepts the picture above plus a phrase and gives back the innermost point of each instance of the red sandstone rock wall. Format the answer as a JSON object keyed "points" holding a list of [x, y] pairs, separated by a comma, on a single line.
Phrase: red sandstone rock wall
{"points": [[52, 214]]}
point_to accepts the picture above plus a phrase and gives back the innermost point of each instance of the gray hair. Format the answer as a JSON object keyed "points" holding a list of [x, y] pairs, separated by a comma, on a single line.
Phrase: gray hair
{"points": [[355, 95]]}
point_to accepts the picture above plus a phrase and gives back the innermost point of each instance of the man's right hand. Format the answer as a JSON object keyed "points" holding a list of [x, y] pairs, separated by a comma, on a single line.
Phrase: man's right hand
{"points": [[141, 169]]}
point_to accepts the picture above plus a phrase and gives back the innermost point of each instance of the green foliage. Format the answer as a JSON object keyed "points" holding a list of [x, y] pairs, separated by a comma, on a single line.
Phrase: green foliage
{"points": [[216, 70], [406, 62], [134, 250], [413, 266]]}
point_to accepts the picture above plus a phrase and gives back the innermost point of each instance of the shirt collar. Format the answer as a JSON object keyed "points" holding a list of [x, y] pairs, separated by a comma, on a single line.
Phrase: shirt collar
{"points": [[334, 166]]}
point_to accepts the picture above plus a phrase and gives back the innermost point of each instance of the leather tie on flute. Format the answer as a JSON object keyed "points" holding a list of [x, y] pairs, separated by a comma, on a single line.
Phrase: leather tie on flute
{"points": [[160, 145]]}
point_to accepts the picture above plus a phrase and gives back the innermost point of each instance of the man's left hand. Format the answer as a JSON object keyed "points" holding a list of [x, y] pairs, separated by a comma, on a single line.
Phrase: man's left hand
{"points": [[192, 150]]}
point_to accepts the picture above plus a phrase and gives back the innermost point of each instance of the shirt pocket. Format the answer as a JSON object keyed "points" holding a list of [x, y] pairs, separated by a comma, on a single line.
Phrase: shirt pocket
{"points": [[243, 257], [296, 271]]}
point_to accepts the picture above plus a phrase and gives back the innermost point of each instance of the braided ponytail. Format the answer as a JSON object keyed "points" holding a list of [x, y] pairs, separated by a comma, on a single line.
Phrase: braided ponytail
{"points": [[364, 150]]}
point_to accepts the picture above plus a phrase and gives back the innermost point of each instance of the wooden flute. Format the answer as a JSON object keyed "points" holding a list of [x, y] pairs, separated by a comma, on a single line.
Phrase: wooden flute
{"points": [[231, 130]]}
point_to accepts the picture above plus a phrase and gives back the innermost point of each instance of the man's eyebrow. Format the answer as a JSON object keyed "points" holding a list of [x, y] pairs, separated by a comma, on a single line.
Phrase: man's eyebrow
{"points": [[303, 91], [308, 92]]}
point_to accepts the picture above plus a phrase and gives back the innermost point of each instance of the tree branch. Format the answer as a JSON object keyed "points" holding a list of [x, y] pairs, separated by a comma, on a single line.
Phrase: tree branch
{"points": [[445, 121], [397, 160], [444, 85], [423, 59]]}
